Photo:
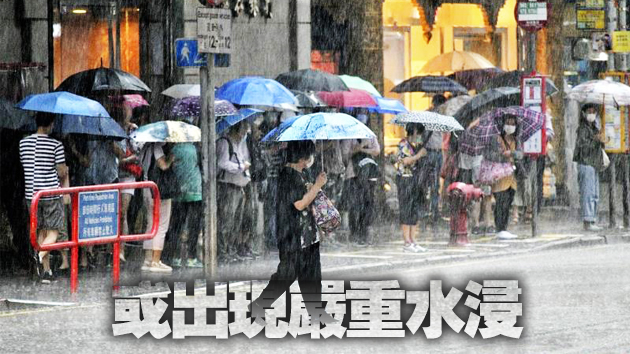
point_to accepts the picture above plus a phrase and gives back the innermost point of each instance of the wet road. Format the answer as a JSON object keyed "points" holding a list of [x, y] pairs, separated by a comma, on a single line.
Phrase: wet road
{"points": [[574, 301]]}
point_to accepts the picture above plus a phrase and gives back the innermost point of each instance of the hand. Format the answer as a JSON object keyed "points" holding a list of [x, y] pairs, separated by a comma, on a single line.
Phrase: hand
{"points": [[246, 165], [422, 152], [132, 159], [321, 180], [507, 153]]}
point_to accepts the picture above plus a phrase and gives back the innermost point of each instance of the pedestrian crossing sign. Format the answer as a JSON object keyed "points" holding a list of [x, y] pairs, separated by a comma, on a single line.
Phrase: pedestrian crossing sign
{"points": [[187, 53]]}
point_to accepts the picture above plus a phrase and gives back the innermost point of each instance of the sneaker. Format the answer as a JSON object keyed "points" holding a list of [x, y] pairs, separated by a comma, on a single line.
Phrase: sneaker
{"points": [[477, 231], [159, 267], [177, 262], [194, 263], [592, 227], [418, 248], [409, 248], [39, 268], [47, 277], [504, 235], [145, 266], [490, 230]]}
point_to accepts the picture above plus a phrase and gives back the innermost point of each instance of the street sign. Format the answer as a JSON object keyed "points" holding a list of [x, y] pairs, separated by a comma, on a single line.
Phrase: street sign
{"points": [[533, 97], [214, 30], [531, 15], [621, 42], [187, 53], [98, 215], [590, 15]]}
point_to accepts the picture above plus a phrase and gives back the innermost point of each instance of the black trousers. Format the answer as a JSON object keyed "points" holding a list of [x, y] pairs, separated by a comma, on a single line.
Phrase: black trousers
{"points": [[186, 223], [359, 201], [303, 265], [502, 208]]}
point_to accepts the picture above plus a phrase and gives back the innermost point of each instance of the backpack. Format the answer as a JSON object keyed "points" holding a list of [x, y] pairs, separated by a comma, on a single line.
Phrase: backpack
{"points": [[365, 168], [258, 169], [166, 180]]}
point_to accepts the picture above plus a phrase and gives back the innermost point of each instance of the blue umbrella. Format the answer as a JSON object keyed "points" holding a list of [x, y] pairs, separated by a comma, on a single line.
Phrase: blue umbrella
{"points": [[257, 91], [388, 106], [99, 127], [320, 126], [231, 120], [63, 103]]}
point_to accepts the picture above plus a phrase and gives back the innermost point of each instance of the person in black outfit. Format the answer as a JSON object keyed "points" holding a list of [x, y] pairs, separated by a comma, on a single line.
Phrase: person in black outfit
{"points": [[297, 237]]}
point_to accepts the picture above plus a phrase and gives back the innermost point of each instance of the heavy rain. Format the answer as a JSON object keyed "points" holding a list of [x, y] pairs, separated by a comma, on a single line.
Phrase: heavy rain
{"points": [[314, 170]]}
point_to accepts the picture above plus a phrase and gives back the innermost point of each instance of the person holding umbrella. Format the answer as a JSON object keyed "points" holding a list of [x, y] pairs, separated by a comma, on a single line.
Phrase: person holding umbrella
{"points": [[589, 157]]}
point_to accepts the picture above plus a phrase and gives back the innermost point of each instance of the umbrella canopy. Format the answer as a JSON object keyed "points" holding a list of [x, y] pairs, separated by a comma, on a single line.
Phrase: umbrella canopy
{"points": [[475, 79], [13, 118], [479, 136], [93, 81], [456, 61], [450, 107], [432, 121], [388, 106], [348, 99], [355, 82], [182, 91], [90, 126], [231, 120], [62, 102], [312, 80], [320, 126], [513, 79], [602, 92], [167, 131], [308, 99], [488, 100], [191, 107], [437, 84], [131, 100], [252, 90]]}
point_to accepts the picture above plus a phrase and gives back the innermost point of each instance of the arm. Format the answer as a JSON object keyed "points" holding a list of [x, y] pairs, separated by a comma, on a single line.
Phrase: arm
{"points": [[308, 198], [223, 158], [372, 148]]}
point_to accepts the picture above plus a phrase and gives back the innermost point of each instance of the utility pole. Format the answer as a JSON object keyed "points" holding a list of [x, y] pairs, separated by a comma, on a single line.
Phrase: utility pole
{"points": [[612, 192], [625, 165]]}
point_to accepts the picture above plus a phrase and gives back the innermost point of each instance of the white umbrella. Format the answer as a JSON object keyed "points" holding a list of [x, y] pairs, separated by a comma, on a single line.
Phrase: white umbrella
{"points": [[182, 91], [605, 91], [432, 121], [456, 61]]}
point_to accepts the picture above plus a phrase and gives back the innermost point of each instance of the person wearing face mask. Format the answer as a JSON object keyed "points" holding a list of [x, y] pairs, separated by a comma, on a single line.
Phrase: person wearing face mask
{"points": [[504, 149], [410, 198], [588, 155], [297, 237], [233, 162]]}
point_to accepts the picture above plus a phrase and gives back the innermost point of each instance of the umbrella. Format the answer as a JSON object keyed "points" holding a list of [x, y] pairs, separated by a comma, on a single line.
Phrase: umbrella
{"points": [[231, 120], [456, 61], [355, 82], [429, 84], [475, 79], [93, 81], [487, 100], [308, 99], [450, 107], [348, 99], [94, 127], [182, 91], [388, 106], [167, 131], [432, 121], [605, 91], [191, 107], [488, 127], [13, 118], [62, 102], [252, 90], [135, 100], [312, 80], [513, 79], [320, 126]]}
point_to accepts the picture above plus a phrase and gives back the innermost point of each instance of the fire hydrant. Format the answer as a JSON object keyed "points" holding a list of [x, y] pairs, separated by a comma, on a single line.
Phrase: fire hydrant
{"points": [[460, 195]]}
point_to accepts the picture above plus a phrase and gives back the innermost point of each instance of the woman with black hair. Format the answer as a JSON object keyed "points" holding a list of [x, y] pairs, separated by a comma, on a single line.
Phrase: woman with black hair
{"points": [[590, 160]]}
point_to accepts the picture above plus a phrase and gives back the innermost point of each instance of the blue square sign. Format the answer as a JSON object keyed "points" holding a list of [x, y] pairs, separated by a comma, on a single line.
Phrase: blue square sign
{"points": [[187, 53], [98, 215]]}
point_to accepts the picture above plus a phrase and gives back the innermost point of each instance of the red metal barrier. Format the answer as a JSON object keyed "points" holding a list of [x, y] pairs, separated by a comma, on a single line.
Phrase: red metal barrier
{"points": [[74, 242]]}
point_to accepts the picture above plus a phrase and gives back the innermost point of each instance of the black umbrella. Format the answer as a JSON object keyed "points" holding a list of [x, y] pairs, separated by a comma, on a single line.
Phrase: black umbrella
{"points": [[308, 99], [513, 79], [102, 80], [488, 100], [13, 118], [435, 84], [475, 79], [311, 80]]}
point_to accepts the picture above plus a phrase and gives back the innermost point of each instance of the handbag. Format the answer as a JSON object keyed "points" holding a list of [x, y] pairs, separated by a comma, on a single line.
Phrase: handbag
{"points": [[166, 180], [450, 169], [132, 167], [326, 216], [490, 171]]}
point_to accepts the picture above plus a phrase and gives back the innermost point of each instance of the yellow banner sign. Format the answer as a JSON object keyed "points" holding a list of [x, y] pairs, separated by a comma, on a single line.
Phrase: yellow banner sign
{"points": [[591, 19], [621, 41]]}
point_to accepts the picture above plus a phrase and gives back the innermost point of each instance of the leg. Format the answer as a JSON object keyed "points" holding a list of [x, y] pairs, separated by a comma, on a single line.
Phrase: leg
{"points": [[502, 209], [195, 220], [279, 282], [165, 218], [124, 209], [310, 280], [589, 192]]}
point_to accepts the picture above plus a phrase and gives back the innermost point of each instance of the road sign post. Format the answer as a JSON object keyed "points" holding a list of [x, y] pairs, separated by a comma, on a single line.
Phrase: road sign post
{"points": [[214, 28]]}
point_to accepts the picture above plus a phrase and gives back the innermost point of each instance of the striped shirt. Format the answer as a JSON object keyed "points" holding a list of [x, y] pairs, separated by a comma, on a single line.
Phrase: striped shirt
{"points": [[40, 156]]}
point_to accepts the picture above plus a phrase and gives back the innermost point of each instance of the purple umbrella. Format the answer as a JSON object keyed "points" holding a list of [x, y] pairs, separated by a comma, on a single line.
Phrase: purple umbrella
{"points": [[480, 134], [191, 107]]}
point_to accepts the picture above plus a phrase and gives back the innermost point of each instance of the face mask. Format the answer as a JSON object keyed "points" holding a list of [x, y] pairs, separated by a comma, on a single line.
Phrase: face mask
{"points": [[591, 117], [509, 129], [311, 161]]}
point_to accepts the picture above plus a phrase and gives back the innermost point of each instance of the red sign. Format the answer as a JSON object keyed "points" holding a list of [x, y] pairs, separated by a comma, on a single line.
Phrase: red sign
{"points": [[531, 15]]}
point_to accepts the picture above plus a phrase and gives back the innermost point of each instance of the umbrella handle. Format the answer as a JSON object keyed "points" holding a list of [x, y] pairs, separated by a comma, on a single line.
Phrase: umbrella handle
{"points": [[322, 153]]}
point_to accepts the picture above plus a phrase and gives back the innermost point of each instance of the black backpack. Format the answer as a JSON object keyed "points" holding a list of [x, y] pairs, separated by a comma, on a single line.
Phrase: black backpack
{"points": [[365, 168], [166, 180]]}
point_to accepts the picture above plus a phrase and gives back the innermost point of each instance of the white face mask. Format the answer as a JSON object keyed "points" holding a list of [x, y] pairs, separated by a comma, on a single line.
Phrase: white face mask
{"points": [[311, 161], [509, 129], [591, 117]]}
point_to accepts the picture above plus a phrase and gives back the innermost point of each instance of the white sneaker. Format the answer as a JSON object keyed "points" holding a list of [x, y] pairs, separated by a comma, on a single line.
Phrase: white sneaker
{"points": [[145, 266], [159, 267], [418, 248], [504, 235], [409, 248]]}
